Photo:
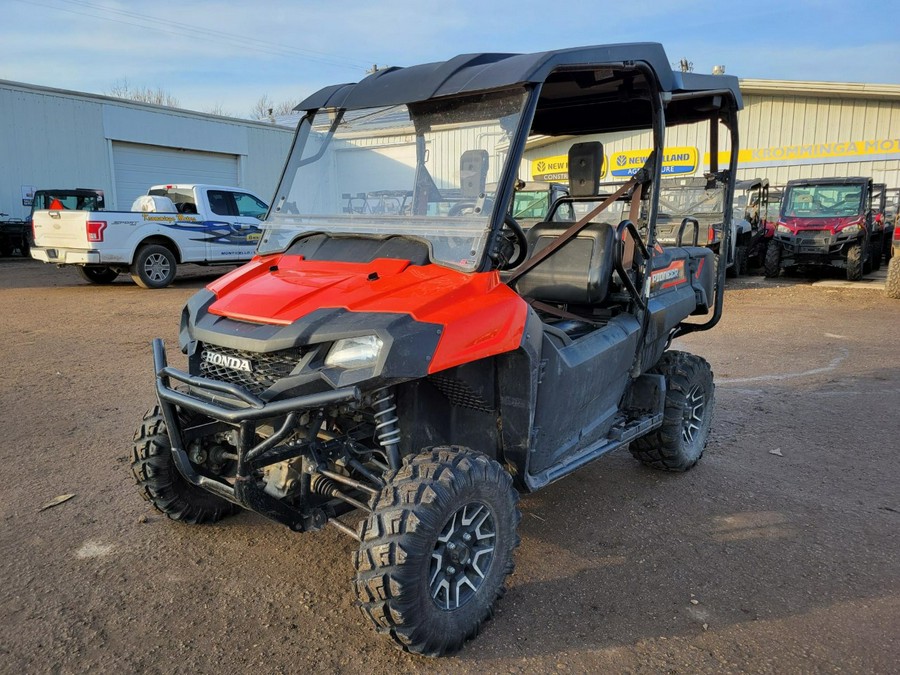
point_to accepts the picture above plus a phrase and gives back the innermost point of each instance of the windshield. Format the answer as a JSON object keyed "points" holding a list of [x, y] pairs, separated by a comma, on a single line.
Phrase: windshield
{"points": [[691, 201], [823, 201], [419, 170], [746, 203]]}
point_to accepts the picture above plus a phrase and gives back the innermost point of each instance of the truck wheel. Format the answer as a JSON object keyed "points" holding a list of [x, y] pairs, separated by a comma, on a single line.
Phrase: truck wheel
{"points": [[690, 399], [160, 482], [97, 275], [892, 285], [25, 248], [772, 264], [437, 548], [854, 263], [6, 249], [154, 266]]}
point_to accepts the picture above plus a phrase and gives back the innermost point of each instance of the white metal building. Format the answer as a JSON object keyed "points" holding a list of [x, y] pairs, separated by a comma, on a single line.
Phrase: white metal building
{"points": [[57, 138], [787, 130], [52, 138]]}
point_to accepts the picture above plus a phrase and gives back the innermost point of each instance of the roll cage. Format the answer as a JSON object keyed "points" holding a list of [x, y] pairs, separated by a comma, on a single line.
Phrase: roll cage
{"points": [[572, 92]]}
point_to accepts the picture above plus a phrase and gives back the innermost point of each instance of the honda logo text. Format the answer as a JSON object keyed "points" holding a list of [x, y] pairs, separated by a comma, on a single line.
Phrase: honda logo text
{"points": [[233, 362]]}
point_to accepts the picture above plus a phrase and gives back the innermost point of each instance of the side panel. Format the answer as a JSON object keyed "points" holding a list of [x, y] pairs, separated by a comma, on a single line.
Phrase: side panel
{"points": [[581, 385]]}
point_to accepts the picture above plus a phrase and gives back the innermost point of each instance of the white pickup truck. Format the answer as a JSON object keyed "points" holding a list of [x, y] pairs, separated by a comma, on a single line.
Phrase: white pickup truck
{"points": [[170, 225]]}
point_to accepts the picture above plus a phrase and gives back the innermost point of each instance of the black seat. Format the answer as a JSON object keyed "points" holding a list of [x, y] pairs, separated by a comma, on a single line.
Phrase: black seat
{"points": [[578, 273]]}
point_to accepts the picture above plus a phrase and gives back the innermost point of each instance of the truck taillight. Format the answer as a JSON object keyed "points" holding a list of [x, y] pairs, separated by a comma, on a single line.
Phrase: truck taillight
{"points": [[95, 230]]}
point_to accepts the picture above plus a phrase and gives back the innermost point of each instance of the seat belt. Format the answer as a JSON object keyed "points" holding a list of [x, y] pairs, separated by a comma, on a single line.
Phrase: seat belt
{"points": [[571, 232]]}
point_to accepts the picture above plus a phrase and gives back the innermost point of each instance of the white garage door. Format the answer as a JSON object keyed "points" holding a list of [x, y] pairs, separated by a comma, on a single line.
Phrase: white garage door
{"points": [[137, 167]]}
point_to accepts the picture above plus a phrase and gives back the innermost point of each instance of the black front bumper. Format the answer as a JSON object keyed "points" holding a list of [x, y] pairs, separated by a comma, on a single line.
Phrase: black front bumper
{"points": [[815, 244], [232, 405]]}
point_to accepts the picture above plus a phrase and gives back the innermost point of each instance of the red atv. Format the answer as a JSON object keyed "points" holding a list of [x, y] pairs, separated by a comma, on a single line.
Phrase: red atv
{"points": [[826, 221], [422, 366]]}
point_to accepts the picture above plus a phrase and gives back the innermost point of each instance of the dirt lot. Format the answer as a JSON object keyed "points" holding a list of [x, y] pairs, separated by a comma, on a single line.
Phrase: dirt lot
{"points": [[778, 553]]}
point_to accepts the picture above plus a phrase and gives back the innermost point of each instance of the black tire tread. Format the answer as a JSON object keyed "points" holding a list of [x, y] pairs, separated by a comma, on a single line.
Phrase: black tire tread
{"points": [[160, 483], [660, 448], [772, 262], [385, 588], [854, 263], [97, 275]]}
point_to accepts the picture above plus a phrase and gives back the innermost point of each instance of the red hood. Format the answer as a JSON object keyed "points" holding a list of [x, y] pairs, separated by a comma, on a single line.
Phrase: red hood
{"points": [[833, 224], [482, 316]]}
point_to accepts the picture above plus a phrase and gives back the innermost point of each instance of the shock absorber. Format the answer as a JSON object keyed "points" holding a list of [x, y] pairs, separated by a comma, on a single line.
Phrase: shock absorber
{"points": [[387, 427]]}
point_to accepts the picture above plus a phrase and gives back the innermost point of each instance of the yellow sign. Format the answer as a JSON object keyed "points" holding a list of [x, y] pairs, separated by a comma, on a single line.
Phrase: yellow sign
{"points": [[811, 153], [677, 161], [555, 168]]}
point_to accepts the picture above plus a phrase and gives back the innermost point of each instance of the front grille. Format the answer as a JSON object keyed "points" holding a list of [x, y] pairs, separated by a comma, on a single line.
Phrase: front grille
{"points": [[265, 368], [808, 242]]}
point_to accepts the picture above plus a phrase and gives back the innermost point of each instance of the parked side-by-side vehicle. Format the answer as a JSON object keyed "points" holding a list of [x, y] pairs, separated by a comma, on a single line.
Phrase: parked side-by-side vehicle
{"points": [[421, 366], [826, 221]]}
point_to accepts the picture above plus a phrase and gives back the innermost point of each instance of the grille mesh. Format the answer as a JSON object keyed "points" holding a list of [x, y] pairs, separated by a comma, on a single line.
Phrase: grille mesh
{"points": [[460, 394], [267, 368]]}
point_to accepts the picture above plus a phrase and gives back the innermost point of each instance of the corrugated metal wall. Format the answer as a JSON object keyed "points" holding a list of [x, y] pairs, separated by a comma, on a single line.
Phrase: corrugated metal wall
{"points": [[58, 139], [784, 137], [770, 122]]}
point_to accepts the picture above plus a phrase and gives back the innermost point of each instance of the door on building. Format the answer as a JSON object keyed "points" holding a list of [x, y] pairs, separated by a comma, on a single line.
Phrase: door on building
{"points": [[136, 167]]}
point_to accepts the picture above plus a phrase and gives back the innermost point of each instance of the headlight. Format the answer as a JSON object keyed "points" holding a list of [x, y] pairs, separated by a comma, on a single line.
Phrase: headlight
{"points": [[783, 229], [355, 352], [850, 229]]}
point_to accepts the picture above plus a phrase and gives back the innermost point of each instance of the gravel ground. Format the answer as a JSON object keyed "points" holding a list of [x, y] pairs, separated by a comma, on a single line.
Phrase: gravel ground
{"points": [[777, 553]]}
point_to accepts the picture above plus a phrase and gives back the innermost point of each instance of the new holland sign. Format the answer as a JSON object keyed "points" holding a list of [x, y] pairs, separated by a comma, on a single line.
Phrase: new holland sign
{"points": [[677, 161], [555, 168]]}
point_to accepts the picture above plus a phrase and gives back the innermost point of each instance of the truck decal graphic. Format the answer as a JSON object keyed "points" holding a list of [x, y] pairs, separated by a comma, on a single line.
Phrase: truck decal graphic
{"points": [[218, 232]]}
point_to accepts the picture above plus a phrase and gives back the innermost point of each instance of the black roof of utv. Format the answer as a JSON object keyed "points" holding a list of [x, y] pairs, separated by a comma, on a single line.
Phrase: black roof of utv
{"points": [[571, 78]]}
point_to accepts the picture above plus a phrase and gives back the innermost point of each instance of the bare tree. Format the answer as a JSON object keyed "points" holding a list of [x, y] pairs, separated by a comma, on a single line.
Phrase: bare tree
{"points": [[143, 94], [266, 109], [216, 109]]}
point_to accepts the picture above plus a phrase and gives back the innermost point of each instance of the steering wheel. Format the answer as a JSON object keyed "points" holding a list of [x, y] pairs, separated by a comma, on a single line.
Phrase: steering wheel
{"points": [[462, 208], [518, 241]]}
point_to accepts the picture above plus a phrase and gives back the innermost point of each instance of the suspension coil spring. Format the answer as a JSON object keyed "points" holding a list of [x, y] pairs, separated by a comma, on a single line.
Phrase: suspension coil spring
{"points": [[387, 427]]}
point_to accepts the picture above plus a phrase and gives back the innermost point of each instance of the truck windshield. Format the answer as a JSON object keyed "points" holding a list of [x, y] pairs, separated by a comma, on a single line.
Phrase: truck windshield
{"points": [[823, 201], [427, 171]]}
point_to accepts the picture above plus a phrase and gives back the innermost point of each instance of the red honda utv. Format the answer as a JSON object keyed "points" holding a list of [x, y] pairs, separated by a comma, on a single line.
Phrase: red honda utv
{"points": [[422, 367]]}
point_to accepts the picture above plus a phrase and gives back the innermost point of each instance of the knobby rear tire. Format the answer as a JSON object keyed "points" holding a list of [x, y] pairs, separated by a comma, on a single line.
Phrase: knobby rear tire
{"points": [[676, 445]]}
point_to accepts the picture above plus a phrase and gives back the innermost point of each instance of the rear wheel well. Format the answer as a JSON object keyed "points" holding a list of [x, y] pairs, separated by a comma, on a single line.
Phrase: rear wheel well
{"points": [[160, 240]]}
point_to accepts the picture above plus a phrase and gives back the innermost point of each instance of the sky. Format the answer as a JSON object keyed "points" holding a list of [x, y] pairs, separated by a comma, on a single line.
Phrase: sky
{"points": [[225, 55]]}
